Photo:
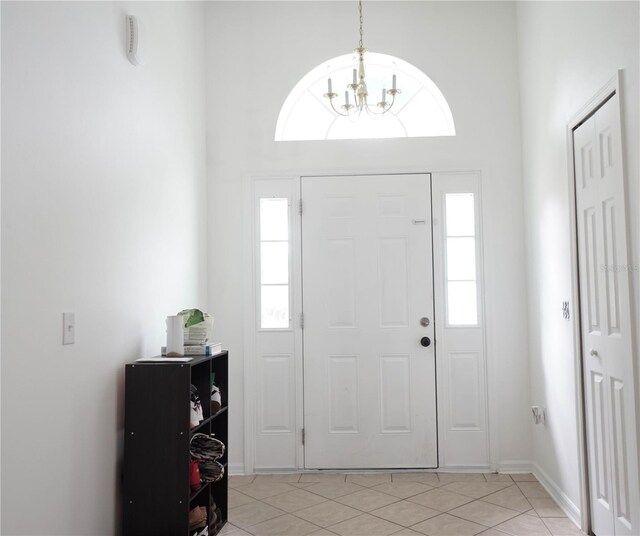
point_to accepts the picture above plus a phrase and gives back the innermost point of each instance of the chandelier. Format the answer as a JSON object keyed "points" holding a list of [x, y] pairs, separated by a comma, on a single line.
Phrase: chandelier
{"points": [[359, 87]]}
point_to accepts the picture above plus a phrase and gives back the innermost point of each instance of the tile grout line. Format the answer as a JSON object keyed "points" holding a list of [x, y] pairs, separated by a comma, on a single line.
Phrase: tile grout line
{"points": [[302, 519], [360, 512], [477, 523], [277, 517], [448, 512]]}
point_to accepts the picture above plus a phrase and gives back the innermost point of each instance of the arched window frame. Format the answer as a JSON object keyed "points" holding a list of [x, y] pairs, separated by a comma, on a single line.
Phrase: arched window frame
{"points": [[420, 111]]}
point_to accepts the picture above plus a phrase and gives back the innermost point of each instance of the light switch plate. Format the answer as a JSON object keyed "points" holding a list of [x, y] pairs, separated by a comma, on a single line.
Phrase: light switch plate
{"points": [[539, 414], [68, 328]]}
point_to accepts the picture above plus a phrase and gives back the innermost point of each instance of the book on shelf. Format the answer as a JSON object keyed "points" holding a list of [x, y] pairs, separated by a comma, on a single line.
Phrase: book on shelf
{"points": [[164, 359], [198, 349], [203, 349]]}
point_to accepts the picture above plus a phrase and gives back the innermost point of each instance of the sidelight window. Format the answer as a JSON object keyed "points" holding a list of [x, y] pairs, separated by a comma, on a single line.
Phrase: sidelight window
{"points": [[461, 272], [274, 263]]}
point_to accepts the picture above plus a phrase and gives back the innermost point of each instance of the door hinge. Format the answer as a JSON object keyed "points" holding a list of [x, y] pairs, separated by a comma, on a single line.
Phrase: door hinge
{"points": [[301, 320], [300, 207], [303, 436]]}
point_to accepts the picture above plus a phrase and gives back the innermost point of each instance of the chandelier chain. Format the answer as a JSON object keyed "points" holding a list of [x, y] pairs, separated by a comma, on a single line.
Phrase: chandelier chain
{"points": [[361, 22]]}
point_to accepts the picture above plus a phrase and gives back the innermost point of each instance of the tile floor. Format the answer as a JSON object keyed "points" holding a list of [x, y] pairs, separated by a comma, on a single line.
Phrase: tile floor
{"points": [[402, 504]]}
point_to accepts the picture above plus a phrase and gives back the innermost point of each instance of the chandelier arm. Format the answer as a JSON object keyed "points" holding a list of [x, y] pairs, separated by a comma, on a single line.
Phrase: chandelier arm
{"points": [[336, 111], [371, 111]]}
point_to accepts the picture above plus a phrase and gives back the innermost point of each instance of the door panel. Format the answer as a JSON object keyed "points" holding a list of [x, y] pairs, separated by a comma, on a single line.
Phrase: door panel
{"points": [[606, 323], [369, 385], [600, 442]]}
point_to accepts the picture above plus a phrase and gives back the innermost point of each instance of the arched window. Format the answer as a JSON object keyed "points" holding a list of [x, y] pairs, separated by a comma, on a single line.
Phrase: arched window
{"points": [[420, 110]]}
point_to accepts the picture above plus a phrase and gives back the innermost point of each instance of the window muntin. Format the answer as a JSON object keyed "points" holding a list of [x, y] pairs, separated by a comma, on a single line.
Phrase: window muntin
{"points": [[460, 259], [274, 263]]}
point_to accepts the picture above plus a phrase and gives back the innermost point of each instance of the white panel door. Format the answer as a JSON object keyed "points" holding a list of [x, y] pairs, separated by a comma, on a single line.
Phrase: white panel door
{"points": [[369, 384], [606, 324]]}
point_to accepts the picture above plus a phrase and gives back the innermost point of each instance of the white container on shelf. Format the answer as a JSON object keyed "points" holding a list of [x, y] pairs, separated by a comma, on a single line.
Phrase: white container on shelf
{"points": [[175, 336]]}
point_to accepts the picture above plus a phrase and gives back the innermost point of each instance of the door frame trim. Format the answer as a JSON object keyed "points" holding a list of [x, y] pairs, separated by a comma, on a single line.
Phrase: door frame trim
{"points": [[250, 292], [612, 87], [250, 178]]}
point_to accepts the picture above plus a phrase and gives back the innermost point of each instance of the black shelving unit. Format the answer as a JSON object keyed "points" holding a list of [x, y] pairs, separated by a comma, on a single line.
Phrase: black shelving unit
{"points": [[156, 494]]}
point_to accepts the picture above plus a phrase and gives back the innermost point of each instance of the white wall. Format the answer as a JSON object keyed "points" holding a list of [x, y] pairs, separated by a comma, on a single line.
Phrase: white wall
{"points": [[567, 52], [103, 213], [256, 52]]}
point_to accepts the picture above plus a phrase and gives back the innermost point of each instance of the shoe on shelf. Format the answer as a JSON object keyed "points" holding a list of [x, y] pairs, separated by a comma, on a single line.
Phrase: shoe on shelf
{"points": [[206, 447], [216, 400], [194, 476], [198, 517], [196, 416], [213, 519], [211, 471]]}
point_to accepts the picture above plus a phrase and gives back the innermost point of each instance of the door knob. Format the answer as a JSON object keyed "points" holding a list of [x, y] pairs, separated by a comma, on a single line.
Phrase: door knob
{"points": [[425, 341], [424, 321], [593, 352]]}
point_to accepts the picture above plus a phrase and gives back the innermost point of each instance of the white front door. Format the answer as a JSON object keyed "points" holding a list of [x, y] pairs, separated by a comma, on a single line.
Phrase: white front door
{"points": [[369, 383], [606, 324]]}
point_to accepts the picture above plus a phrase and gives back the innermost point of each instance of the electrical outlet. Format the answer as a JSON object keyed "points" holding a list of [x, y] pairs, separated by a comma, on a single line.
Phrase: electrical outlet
{"points": [[68, 328]]}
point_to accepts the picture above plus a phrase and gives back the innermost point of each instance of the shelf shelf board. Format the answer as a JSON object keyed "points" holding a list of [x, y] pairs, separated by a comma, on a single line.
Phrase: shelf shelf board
{"points": [[219, 412], [194, 494], [208, 420]]}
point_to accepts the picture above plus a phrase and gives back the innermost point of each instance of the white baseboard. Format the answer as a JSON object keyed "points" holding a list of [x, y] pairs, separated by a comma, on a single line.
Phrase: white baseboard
{"points": [[561, 498], [464, 469], [277, 470], [236, 468], [505, 467], [515, 466]]}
